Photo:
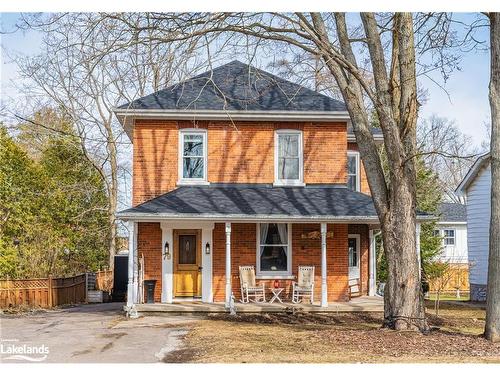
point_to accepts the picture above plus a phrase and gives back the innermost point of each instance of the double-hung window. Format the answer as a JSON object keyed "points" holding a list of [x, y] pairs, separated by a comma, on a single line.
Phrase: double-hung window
{"points": [[353, 171], [288, 157], [192, 156], [449, 237], [274, 249]]}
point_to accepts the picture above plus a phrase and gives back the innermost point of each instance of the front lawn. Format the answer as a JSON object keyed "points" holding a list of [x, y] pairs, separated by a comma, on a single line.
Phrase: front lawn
{"points": [[342, 337]]}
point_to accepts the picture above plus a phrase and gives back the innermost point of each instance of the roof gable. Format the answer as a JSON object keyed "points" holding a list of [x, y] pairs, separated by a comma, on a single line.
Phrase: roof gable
{"points": [[474, 171], [237, 87]]}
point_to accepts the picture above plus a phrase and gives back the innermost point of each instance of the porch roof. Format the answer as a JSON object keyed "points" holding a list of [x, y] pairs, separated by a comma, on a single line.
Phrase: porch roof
{"points": [[257, 202]]}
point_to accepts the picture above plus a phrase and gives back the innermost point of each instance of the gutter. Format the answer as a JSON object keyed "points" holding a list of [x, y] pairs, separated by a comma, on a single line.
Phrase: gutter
{"points": [[257, 218]]}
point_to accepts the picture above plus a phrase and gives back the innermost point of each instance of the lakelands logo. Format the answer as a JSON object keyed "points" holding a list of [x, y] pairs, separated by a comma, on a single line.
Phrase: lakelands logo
{"points": [[12, 349]]}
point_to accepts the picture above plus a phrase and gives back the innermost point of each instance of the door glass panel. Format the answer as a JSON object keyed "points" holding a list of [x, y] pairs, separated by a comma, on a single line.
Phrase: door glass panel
{"points": [[353, 252], [187, 249]]}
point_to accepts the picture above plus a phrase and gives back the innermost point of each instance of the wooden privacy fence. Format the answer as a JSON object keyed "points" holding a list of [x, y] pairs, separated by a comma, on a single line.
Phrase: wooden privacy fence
{"points": [[455, 278], [48, 292]]}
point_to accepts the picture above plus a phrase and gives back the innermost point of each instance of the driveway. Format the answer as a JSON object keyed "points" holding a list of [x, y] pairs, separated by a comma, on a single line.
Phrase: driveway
{"points": [[91, 333]]}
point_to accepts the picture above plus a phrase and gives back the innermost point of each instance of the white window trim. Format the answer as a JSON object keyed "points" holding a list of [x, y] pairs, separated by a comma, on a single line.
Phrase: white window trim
{"points": [[358, 171], [277, 274], [445, 237], [280, 182], [358, 248], [192, 181]]}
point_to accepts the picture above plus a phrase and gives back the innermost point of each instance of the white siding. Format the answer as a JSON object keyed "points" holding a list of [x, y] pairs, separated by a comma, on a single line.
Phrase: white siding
{"points": [[458, 252], [478, 223]]}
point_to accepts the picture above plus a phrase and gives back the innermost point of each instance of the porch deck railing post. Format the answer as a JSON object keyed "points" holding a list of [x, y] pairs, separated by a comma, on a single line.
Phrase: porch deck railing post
{"points": [[228, 265], [324, 292], [130, 286]]}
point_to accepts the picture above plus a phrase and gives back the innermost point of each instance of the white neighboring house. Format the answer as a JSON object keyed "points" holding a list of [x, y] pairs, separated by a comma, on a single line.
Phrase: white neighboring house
{"points": [[452, 227], [476, 188]]}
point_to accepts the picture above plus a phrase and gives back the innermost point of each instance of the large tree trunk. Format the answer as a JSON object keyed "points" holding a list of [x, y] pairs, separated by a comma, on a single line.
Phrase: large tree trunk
{"points": [[403, 298], [492, 326]]}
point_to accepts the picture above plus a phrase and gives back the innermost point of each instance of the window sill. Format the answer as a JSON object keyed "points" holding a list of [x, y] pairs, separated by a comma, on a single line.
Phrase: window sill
{"points": [[193, 182], [289, 184], [275, 277]]}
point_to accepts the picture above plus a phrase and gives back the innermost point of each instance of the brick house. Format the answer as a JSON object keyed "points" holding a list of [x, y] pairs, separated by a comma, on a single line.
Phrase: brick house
{"points": [[239, 167]]}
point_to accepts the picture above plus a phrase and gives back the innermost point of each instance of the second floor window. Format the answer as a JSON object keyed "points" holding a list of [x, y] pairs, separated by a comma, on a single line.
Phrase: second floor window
{"points": [[288, 157], [353, 171], [193, 155]]}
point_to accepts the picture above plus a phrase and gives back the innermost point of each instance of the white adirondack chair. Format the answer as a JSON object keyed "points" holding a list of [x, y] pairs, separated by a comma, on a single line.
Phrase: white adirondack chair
{"points": [[249, 287], [304, 286]]}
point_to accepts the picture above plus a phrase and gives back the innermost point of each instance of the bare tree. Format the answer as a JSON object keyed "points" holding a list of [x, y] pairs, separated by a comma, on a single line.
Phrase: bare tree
{"points": [[492, 326], [447, 151], [79, 72]]}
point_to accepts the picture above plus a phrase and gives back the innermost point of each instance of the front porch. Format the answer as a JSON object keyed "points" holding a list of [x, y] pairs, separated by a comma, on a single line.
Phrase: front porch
{"points": [[195, 250], [359, 304]]}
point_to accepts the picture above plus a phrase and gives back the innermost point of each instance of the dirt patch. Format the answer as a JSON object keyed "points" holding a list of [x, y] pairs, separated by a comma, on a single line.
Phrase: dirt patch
{"points": [[340, 337], [301, 318], [180, 356]]}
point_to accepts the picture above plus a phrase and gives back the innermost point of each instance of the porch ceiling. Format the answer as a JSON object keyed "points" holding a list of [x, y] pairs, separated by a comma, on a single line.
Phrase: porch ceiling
{"points": [[257, 202]]}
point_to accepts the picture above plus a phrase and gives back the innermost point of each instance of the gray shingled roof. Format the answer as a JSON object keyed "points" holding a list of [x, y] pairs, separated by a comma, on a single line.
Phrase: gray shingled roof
{"points": [[452, 212], [261, 200], [234, 87]]}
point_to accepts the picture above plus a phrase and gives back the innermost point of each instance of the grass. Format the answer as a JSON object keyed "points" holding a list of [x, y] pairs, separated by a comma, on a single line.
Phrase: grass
{"points": [[337, 338], [449, 297]]}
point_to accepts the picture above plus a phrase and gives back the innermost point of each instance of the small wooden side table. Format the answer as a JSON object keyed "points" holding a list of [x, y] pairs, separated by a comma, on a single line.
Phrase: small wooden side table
{"points": [[276, 294]]}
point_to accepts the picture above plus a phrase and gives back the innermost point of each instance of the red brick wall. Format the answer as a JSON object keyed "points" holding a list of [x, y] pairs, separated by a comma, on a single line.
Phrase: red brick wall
{"points": [[149, 245], [364, 259], [365, 188], [238, 153], [304, 252], [155, 159]]}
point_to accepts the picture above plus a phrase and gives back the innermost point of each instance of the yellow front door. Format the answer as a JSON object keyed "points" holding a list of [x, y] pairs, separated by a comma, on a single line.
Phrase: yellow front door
{"points": [[187, 263]]}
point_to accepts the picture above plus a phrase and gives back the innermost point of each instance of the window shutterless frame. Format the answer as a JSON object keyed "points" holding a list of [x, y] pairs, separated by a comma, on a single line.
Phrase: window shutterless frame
{"points": [[183, 134], [278, 274], [355, 155], [449, 237], [282, 181]]}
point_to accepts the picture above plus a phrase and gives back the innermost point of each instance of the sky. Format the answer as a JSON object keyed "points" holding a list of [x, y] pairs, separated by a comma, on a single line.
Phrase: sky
{"points": [[467, 104]]}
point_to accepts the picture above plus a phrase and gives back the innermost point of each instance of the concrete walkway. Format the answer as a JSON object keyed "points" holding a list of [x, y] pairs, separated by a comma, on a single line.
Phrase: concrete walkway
{"points": [[94, 333]]}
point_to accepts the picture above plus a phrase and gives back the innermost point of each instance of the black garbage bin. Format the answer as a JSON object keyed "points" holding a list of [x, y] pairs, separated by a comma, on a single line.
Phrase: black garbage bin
{"points": [[149, 288]]}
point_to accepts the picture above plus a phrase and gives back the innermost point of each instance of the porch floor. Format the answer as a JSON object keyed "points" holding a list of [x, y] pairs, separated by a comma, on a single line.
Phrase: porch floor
{"points": [[363, 303]]}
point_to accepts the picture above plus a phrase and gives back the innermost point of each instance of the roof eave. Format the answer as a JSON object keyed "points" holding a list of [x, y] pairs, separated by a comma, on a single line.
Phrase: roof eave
{"points": [[461, 189], [256, 218], [127, 117]]}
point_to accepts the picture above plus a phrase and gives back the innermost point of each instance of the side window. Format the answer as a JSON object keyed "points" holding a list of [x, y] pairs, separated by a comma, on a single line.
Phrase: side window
{"points": [[449, 237], [353, 182]]}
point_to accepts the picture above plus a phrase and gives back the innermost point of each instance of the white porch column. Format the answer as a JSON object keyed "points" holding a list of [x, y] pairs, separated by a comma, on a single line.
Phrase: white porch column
{"points": [[417, 232], [324, 292], [136, 265], [372, 286], [167, 267], [131, 255], [228, 264]]}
